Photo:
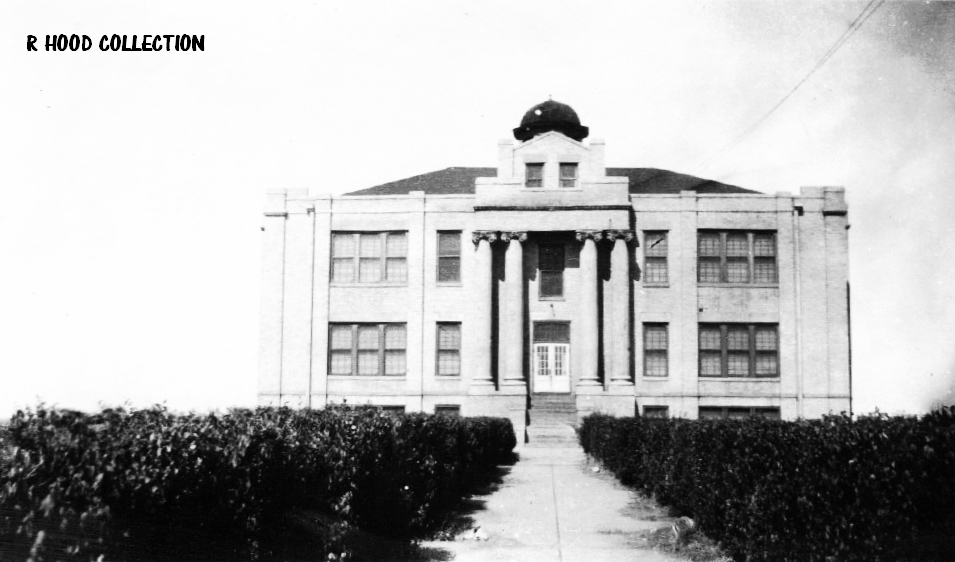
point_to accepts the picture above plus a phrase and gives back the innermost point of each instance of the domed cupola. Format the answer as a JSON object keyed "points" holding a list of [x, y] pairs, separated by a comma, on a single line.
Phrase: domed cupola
{"points": [[551, 116]]}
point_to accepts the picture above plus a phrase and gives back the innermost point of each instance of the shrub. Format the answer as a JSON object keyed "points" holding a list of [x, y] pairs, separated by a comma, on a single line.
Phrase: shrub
{"points": [[120, 482], [807, 490]]}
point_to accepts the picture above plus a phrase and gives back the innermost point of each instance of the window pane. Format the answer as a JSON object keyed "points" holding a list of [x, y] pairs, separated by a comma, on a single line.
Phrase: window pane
{"points": [[449, 269], [766, 364], [397, 245], [655, 243], [710, 364], [765, 270], [737, 270], [656, 411], [710, 338], [535, 175], [551, 283], [768, 413], [449, 336], [737, 339], [655, 363], [449, 244], [449, 363], [764, 245], [738, 413], [343, 270], [368, 337], [397, 269], [738, 364], [568, 175], [737, 245], [709, 270], [368, 363], [395, 337], [710, 413], [654, 337], [341, 338], [709, 245], [395, 363], [552, 332], [341, 363], [551, 257], [343, 245], [656, 271], [453, 411], [369, 270], [370, 245], [765, 339]]}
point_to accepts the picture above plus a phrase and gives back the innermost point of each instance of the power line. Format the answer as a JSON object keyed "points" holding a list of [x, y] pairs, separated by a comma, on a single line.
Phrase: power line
{"points": [[857, 23]]}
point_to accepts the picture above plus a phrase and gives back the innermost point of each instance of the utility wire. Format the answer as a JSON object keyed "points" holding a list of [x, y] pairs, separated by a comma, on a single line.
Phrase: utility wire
{"points": [[866, 13]]}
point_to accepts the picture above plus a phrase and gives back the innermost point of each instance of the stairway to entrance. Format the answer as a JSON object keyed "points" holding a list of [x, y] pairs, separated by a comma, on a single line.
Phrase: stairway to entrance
{"points": [[552, 420]]}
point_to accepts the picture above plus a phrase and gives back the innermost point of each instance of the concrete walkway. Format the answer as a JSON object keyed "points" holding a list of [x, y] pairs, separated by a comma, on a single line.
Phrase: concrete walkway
{"points": [[552, 507]]}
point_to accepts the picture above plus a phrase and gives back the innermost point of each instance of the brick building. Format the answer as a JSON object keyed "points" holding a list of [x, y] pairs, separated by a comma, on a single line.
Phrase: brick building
{"points": [[552, 279]]}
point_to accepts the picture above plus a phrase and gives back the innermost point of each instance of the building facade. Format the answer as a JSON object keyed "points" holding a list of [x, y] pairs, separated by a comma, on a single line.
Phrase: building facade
{"points": [[630, 291]]}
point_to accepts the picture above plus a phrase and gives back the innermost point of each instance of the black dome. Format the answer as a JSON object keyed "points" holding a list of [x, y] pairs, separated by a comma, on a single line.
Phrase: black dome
{"points": [[551, 116]]}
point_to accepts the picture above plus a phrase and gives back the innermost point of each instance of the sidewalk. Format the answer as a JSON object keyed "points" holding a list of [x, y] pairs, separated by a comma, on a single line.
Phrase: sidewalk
{"points": [[552, 507]]}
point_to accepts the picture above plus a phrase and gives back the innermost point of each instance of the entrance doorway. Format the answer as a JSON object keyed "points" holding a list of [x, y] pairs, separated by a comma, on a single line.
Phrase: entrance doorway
{"points": [[551, 357]]}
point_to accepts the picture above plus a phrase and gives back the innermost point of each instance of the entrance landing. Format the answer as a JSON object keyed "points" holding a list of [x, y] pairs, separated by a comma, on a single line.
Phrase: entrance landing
{"points": [[553, 507]]}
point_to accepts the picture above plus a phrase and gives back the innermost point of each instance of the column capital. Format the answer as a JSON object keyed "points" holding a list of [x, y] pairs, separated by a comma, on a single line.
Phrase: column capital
{"points": [[489, 235], [584, 235], [509, 235], [625, 235]]}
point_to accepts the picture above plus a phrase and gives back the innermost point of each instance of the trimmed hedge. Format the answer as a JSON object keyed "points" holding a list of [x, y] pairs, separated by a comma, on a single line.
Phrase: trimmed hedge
{"points": [[808, 490], [121, 482]]}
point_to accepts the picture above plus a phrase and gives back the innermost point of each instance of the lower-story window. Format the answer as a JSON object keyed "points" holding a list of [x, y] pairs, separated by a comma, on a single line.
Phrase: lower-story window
{"points": [[656, 411], [735, 412], [739, 350], [449, 349], [367, 349], [447, 410]]}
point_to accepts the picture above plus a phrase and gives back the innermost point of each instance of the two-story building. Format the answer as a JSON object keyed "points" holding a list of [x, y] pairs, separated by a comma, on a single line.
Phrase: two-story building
{"points": [[551, 277]]}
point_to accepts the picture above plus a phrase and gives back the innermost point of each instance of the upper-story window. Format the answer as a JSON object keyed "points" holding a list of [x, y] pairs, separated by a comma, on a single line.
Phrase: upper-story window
{"points": [[449, 257], [568, 174], [550, 263], [534, 175], [736, 256], [369, 257], [656, 271]]}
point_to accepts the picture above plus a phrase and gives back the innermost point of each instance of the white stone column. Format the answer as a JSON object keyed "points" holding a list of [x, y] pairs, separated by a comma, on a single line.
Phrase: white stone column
{"points": [[589, 329], [479, 333], [619, 336], [512, 311]]}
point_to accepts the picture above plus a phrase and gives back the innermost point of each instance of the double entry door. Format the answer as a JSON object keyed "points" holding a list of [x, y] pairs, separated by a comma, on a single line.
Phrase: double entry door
{"points": [[551, 357]]}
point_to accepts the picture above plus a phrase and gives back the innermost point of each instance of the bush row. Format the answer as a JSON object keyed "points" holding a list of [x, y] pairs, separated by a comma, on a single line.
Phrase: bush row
{"points": [[117, 482], [808, 490]]}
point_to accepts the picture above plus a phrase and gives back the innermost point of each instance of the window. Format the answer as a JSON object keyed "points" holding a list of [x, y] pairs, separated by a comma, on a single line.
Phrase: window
{"points": [[534, 175], [550, 263], [656, 412], [449, 349], [449, 257], [718, 412], [736, 256], [393, 411], [655, 258], [447, 410], [369, 257], [655, 345], [739, 350], [367, 349], [568, 174]]}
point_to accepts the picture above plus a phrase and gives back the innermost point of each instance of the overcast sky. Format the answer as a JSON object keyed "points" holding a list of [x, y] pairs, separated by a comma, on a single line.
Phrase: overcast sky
{"points": [[133, 182]]}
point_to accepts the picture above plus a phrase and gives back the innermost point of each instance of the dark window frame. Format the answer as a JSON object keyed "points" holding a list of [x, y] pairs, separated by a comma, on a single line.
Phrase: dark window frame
{"points": [[555, 274], [453, 410], [748, 411], [533, 182], [438, 351], [654, 412], [752, 349], [355, 258], [355, 351], [446, 258], [724, 258], [653, 254], [648, 328], [569, 181]]}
